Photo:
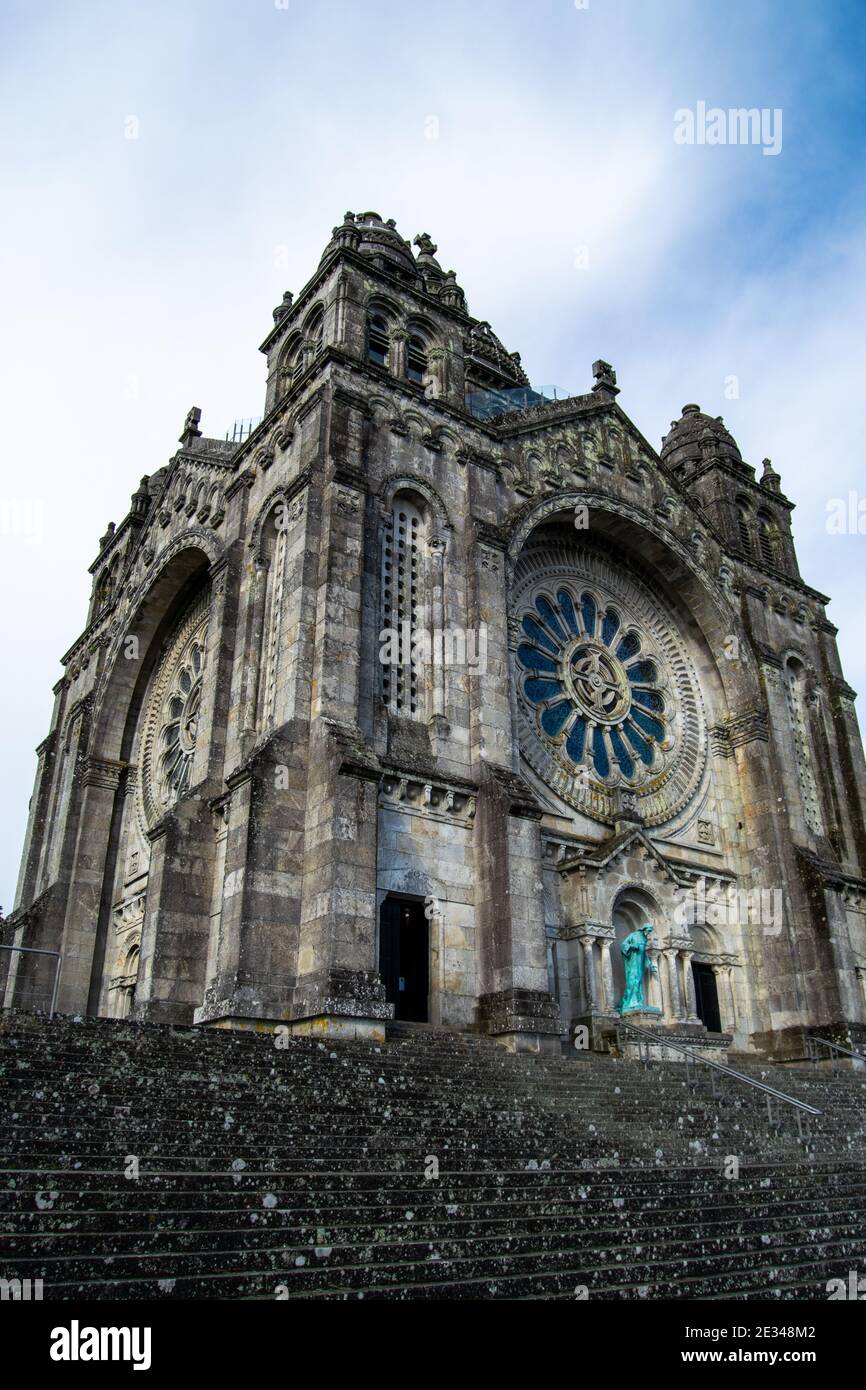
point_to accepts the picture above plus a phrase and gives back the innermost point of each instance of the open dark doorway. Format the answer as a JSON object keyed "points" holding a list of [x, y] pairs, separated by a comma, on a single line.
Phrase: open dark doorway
{"points": [[404, 958], [706, 996]]}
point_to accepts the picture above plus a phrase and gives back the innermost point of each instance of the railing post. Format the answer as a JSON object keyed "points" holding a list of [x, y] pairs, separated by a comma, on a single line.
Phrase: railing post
{"points": [[56, 986]]}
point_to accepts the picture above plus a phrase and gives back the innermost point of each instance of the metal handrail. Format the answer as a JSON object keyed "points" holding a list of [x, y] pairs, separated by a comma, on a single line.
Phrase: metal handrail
{"points": [[38, 951], [811, 1047], [801, 1107]]}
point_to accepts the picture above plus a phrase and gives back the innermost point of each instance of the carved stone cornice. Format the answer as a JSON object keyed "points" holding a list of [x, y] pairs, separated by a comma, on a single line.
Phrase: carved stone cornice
{"points": [[101, 772], [768, 656], [522, 801], [823, 874], [343, 396], [841, 690], [355, 757], [739, 729], [346, 475], [243, 480], [490, 535], [423, 795]]}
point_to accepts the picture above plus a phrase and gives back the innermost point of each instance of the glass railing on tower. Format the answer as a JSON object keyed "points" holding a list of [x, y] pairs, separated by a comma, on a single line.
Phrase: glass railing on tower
{"points": [[487, 404]]}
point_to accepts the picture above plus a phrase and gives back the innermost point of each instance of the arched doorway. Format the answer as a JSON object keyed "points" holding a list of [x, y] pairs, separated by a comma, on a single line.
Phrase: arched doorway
{"points": [[404, 957], [704, 977], [706, 996]]}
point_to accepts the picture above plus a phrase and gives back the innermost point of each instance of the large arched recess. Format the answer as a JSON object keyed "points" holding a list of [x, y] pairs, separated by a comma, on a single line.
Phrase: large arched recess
{"points": [[153, 611], [636, 534], [697, 595]]}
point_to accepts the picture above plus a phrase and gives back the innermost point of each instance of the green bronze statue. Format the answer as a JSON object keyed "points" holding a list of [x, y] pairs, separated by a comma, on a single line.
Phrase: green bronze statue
{"points": [[634, 959]]}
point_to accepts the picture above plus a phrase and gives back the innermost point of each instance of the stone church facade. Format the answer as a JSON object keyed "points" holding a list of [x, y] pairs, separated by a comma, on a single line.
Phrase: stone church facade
{"points": [[265, 800]]}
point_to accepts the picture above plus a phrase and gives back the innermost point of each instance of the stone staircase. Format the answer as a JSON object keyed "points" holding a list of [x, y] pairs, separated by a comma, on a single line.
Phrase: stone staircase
{"points": [[433, 1166]]}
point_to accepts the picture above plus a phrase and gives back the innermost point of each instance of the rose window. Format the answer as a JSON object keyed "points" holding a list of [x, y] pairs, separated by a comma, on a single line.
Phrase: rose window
{"points": [[172, 717], [595, 684]]}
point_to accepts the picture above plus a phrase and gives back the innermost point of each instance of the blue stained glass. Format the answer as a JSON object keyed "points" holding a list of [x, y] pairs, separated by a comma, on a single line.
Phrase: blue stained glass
{"points": [[553, 719], [540, 690], [621, 753], [609, 627], [548, 630], [650, 699], [576, 741], [629, 646], [546, 609], [643, 671], [639, 744], [563, 598], [537, 633], [536, 660], [646, 721], [599, 753]]}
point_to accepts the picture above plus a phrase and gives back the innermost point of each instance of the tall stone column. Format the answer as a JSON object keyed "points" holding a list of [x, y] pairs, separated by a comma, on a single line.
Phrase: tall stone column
{"points": [[339, 990], [86, 900], [338, 987], [780, 960], [671, 955], [607, 976], [653, 980], [175, 930], [588, 975], [727, 992], [252, 955], [664, 979], [515, 1005], [689, 980]]}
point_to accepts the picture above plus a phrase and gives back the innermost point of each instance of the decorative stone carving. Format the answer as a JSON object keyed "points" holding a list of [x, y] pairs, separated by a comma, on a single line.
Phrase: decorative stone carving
{"points": [[171, 721], [608, 698]]}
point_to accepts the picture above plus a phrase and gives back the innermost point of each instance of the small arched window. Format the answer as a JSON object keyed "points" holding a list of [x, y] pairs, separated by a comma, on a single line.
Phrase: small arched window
{"points": [[744, 528], [106, 586], [416, 359], [767, 538], [292, 364], [313, 329], [377, 340]]}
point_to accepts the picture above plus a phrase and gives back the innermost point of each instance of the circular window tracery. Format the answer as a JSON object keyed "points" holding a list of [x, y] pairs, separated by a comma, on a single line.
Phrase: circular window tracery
{"points": [[172, 717], [595, 685], [608, 697], [178, 734]]}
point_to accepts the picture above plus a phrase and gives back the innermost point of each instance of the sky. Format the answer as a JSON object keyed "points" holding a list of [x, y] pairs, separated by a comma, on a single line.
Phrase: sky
{"points": [[169, 169]]}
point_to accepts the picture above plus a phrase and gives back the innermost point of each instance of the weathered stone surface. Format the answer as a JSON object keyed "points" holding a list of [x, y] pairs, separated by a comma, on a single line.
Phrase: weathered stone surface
{"points": [[237, 790], [434, 1166]]}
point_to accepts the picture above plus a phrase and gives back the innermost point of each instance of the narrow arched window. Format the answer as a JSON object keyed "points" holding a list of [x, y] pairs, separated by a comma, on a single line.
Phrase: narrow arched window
{"points": [[416, 359], [313, 329], [795, 683], [403, 609], [377, 340], [744, 529], [766, 539], [292, 364], [274, 548]]}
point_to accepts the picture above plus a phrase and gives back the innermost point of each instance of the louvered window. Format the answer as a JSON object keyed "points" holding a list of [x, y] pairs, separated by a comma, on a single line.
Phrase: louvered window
{"points": [[402, 561]]}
